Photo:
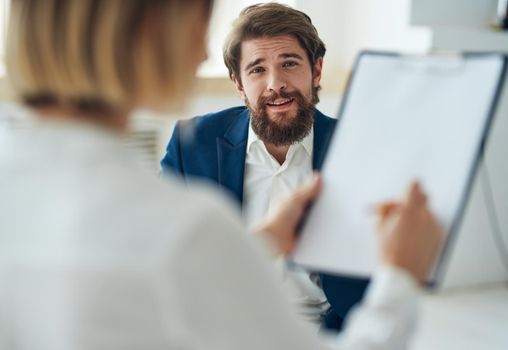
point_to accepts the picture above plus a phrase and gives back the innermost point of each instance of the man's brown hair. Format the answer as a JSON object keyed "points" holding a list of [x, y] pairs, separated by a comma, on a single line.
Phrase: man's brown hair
{"points": [[269, 20]]}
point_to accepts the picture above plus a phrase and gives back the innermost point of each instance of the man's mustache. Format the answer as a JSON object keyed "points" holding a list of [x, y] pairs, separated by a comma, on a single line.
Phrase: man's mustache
{"points": [[264, 99]]}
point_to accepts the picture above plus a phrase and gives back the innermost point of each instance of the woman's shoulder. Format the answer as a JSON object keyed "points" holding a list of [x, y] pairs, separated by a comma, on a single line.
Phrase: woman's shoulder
{"points": [[188, 207]]}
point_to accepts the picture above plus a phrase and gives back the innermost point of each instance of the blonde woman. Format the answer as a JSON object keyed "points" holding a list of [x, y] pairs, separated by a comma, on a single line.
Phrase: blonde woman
{"points": [[95, 254]]}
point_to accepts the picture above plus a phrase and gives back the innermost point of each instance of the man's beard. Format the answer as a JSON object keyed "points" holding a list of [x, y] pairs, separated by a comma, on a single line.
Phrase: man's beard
{"points": [[285, 129]]}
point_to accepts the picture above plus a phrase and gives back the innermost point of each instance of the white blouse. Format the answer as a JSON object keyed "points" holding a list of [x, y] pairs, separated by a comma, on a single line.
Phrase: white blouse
{"points": [[96, 254]]}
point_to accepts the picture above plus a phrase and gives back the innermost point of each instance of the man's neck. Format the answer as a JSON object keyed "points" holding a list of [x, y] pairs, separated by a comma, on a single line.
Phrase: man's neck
{"points": [[278, 152]]}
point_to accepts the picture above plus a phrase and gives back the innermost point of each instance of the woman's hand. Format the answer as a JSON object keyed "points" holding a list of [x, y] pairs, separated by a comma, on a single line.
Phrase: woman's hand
{"points": [[409, 235], [281, 226]]}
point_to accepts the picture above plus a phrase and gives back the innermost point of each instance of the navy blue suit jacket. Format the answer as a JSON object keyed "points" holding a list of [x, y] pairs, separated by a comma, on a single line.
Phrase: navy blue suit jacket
{"points": [[213, 148]]}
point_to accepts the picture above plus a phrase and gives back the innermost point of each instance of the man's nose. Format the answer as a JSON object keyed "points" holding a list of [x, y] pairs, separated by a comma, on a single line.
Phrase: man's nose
{"points": [[276, 82]]}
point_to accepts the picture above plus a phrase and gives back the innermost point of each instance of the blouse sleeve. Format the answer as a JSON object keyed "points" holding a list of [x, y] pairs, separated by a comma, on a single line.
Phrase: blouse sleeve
{"points": [[233, 300]]}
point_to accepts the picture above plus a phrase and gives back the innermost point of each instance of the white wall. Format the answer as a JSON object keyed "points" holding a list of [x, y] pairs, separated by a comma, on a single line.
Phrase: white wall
{"points": [[348, 26]]}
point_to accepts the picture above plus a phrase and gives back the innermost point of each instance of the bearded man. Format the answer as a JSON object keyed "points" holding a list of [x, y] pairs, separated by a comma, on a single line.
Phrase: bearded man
{"points": [[262, 151]]}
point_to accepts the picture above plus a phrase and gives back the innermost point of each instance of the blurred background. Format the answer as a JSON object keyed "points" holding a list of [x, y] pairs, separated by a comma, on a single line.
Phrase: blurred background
{"points": [[346, 27]]}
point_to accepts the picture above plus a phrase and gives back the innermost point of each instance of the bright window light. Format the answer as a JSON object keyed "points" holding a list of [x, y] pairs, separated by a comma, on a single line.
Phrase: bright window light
{"points": [[4, 13]]}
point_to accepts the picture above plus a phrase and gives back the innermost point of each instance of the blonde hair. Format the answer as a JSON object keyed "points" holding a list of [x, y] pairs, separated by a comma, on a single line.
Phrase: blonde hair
{"points": [[98, 54]]}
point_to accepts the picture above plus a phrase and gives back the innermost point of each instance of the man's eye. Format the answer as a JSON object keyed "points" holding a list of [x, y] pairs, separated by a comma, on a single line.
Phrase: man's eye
{"points": [[290, 64], [257, 70]]}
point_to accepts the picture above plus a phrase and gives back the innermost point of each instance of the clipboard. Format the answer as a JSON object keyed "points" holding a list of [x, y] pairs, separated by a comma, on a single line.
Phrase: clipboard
{"points": [[402, 118]]}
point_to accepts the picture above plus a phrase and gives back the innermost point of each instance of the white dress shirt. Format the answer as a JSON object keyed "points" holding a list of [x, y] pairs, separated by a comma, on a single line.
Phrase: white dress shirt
{"points": [[95, 254], [266, 183]]}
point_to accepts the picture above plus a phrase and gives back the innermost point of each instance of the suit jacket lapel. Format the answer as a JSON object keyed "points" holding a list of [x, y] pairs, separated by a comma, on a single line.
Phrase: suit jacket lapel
{"points": [[323, 131], [231, 152]]}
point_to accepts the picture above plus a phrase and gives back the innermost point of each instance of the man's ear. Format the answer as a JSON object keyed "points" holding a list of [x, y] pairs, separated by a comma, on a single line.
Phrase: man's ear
{"points": [[318, 68], [238, 86]]}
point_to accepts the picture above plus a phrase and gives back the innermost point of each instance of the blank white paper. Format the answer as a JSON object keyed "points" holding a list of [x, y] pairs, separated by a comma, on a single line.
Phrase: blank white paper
{"points": [[404, 118]]}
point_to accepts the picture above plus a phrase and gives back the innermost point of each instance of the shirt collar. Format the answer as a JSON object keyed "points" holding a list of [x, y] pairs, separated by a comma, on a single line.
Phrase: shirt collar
{"points": [[307, 142]]}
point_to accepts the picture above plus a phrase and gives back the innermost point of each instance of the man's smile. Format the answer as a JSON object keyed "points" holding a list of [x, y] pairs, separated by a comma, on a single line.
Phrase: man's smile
{"points": [[281, 104]]}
